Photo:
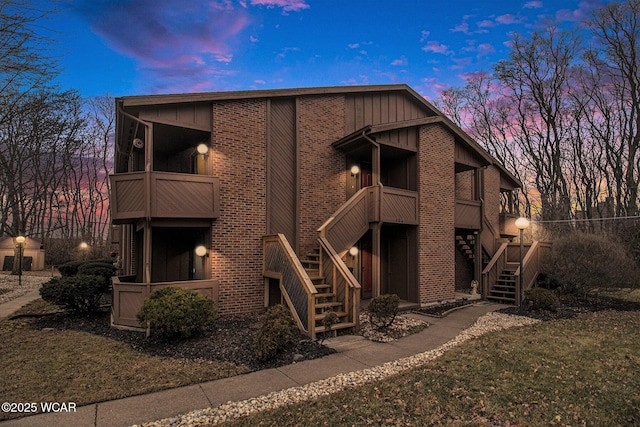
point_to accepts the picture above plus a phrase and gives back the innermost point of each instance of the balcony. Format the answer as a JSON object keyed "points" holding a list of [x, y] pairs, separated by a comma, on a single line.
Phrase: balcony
{"points": [[399, 206], [163, 195], [128, 296], [468, 214], [508, 225]]}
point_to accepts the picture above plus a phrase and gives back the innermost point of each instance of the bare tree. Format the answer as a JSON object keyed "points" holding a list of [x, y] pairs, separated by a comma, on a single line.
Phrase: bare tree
{"points": [[616, 28], [537, 76]]}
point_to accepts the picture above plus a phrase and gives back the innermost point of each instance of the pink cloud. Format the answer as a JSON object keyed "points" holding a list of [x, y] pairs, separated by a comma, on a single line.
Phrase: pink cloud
{"points": [[508, 19], [486, 23], [461, 28], [485, 49], [535, 4], [286, 5], [582, 12], [185, 45], [436, 47], [400, 62]]}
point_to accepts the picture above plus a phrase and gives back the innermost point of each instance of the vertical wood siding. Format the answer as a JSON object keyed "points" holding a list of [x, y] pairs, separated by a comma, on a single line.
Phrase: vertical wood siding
{"points": [[379, 107], [282, 170]]}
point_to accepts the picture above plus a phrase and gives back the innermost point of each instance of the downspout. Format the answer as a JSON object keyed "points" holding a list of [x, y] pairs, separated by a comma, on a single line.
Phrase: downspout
{"points": [[376, 240]]}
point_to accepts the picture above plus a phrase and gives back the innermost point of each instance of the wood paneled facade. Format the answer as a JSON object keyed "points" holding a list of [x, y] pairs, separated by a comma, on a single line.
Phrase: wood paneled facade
{"points": [[371, 183]]}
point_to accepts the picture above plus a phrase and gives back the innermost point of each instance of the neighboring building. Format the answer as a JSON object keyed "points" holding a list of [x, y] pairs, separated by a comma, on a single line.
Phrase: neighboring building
{"points": [[32, 254], [318, 197]]}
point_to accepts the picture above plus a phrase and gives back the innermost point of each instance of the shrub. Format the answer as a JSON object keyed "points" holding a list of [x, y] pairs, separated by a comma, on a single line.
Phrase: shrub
{"points": [[580, 263], [175, 312], [70, 268], [79, 293], [276, 332], [541, 299], [383, 310], [330, 319], [101, 269]]}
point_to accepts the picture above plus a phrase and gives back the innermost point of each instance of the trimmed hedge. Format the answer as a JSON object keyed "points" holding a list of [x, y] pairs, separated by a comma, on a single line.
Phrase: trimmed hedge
{"points": [[79, 293], [175, 312]]}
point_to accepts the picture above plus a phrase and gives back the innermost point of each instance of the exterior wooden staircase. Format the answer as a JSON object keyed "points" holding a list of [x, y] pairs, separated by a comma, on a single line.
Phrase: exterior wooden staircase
{"points": [[504, 291], [466, 245], [325, 300], [501, 277]]}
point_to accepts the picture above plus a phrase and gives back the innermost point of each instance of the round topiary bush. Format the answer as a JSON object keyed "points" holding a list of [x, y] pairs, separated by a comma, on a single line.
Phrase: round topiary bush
{"points": [[70, 268], [80, 293], [541, 299], [275, 333], [101, 269], [383, 310], [175, 312]]}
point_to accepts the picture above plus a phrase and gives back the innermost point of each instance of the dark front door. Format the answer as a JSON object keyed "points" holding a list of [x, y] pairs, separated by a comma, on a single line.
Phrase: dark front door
{"points": [[398, 258], [366, 176]]}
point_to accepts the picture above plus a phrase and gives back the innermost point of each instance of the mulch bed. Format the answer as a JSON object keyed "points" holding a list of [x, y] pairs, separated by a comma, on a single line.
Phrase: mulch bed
{"points": [[572, 306], [229, 340]]}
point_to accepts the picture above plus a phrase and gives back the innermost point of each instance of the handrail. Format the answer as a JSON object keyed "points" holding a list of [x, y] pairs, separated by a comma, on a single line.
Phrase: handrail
{"points": [[362, 196], [491, 268], [281, 262], [530, 266], [344, 284], [340, 265], [494, 259]]}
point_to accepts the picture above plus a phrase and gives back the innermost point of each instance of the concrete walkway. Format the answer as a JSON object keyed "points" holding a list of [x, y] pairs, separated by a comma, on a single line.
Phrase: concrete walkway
{"points": [[10, 307], [353, 353]]}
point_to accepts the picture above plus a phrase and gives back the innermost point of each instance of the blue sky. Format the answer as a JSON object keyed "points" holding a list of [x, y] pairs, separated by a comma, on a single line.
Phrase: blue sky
{"points": [[134, 47]]}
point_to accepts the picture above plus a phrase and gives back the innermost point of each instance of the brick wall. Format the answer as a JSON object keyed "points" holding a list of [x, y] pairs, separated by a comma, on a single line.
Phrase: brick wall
{"points": [[322, 167], [464, 185], [492, 197], [238, 158], [436, 242]]}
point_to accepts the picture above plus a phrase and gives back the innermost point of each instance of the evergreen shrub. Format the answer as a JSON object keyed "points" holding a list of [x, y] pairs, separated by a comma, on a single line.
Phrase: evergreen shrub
{"points": [[175, 312], [383, 310], [80, 293], [276, 332]]}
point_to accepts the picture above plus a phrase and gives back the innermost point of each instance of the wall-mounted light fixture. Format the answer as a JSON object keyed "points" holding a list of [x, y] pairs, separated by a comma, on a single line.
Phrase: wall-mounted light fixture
{"points": [[355, 170], [201, 251], [353, 251], [202, 149]]}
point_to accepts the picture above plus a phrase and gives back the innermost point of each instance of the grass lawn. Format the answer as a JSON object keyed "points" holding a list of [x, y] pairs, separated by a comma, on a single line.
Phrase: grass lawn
{"points": [[65, 365], [575, 372]]}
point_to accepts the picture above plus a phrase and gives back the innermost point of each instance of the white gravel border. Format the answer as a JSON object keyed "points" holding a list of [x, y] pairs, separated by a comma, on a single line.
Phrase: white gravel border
{"points": [[490, 322]]}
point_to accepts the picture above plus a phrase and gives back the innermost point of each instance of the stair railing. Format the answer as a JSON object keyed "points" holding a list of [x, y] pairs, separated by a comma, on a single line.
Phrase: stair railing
{"points": [[343, 283], [531, 265], [494, 268], [351, 221], [281, 262]]}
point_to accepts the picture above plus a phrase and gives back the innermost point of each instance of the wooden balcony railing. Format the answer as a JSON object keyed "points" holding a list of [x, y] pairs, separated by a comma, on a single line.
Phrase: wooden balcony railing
{"points": [[163, 195], [399, 206], [508, 225], [468, 214], [128, 297]]}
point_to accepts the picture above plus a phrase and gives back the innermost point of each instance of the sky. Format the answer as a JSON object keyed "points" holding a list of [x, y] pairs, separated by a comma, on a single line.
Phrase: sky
{"points": [[140, 47]]}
